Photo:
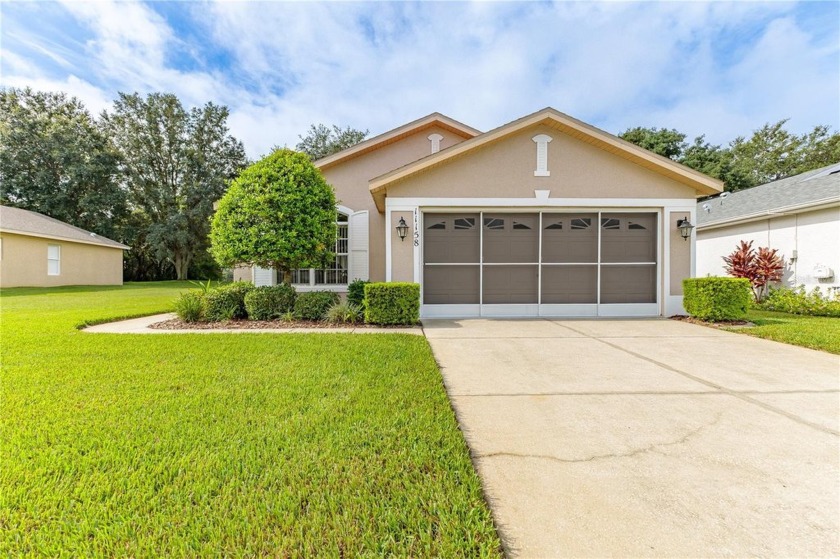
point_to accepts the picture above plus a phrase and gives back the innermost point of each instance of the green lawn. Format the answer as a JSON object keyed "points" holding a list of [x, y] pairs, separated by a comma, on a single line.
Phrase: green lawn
{"points": [[213, 444], [816, 332]]}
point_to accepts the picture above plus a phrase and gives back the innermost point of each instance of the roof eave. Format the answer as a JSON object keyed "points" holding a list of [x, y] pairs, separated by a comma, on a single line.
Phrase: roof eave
{"points": [[766, 214], [64, 239], [396, 134]]}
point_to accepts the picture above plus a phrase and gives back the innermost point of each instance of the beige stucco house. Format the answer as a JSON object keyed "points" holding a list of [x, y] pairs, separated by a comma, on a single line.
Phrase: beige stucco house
{"points": [[39, 251], [543, 216]]}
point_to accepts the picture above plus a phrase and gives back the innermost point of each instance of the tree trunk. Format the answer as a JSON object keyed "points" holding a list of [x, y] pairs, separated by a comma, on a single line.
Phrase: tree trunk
{"points": [[182, 265], [287, 276]]}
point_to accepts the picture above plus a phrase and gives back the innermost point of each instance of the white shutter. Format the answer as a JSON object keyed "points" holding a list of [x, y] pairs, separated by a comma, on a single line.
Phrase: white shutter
{"points": [[264, 276], [359, 266]]}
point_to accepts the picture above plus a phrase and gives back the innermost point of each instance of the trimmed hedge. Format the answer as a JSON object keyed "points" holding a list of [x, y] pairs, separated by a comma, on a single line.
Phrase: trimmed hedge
{"points": [[314, 305], [392, 303], [270, 301], [227, 302], [356, 292], [717, 298]]}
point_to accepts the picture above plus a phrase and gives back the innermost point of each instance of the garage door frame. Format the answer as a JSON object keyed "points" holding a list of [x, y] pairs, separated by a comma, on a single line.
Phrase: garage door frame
{"points": [[540, 309]]}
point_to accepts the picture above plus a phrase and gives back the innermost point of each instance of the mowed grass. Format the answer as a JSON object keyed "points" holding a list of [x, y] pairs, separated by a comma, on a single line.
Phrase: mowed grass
{"points": [[815, 332], [224, 444]]}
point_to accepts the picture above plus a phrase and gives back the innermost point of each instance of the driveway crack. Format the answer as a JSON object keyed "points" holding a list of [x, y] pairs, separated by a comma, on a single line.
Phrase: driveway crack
{"points": [[650, 448]]}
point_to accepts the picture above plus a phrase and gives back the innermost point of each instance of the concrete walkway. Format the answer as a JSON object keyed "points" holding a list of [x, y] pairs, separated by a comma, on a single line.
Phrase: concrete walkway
{"points": [[142, 326], [637, 438]]}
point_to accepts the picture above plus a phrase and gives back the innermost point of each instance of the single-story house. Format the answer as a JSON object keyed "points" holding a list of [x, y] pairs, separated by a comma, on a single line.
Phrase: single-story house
{"points": [[799, 216], [543, 216], [39, 251]]}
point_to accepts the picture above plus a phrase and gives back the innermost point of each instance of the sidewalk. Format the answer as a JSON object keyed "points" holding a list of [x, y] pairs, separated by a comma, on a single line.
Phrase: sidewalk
{"points": [[142, 326]]}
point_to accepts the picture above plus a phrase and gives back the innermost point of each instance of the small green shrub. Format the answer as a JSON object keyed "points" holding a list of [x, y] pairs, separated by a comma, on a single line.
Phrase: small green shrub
{"points": [[717, 298], [314, 304], [227, 302], [392, 303], [799, 301], [189, 306], [270, 301], [344, 312], [356, 292]]}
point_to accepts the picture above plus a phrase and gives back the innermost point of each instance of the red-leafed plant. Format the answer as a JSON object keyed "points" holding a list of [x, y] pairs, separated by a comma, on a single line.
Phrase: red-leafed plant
{"points": [[762, 267]]}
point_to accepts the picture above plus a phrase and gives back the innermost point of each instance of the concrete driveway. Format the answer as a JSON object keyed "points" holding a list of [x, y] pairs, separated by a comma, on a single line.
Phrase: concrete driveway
{"points": [[647, 437]]}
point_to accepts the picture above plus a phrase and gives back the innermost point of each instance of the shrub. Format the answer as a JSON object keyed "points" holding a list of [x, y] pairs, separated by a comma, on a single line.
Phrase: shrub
{"points": [[798, 301], [762, 267], [344, 312], [356, 292], [716, 298], [392, 303], [227, 302], [270, 301], [314, 304], [190, 306]]}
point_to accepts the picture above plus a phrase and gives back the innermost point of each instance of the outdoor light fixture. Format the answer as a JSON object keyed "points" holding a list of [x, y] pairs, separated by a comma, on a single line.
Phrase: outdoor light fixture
{"points": [[402, 229], [685, 227]]}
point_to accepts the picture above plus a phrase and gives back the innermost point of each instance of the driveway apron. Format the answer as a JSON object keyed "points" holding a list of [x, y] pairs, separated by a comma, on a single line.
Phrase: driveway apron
{"points": [[647, 438]]}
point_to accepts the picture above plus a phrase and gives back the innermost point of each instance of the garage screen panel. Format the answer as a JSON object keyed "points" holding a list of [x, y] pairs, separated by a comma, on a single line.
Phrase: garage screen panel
{"points": [[451, 254], [510, 284], [628, 258], [570, 284]]}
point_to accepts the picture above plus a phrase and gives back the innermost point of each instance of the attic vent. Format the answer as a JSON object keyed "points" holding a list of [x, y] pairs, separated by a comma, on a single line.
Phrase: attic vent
{"points": [[542, 155], [435, 139]]}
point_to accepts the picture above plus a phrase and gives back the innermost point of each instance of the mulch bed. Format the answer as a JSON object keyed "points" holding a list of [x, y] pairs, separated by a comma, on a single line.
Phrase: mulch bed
{"points": [[721, 324], [178, 324]]}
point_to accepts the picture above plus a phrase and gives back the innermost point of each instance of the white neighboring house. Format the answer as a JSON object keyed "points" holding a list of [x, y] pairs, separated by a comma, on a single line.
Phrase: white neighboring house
{"points": [[799, 216]]}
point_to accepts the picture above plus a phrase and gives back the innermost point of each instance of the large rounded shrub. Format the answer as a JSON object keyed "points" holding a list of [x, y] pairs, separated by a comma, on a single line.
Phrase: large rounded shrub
{"points": [[268, 302], [279, 213]]}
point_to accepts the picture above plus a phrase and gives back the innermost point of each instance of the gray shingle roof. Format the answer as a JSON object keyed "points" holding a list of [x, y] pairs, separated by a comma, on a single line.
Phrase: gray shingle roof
{"points": [[16, 220], [808, 189]]}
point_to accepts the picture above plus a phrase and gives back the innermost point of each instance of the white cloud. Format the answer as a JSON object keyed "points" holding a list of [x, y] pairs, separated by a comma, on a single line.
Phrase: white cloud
{"points": [[715, 68]]}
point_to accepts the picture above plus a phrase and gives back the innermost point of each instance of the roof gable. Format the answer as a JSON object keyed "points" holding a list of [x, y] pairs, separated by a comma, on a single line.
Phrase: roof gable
{"points": [[25, 222], [572, 127], [371, 144]]}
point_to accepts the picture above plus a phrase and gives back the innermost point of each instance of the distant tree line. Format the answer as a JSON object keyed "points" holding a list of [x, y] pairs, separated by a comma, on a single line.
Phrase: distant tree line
{"points": [[145, 173], [770, 154]]}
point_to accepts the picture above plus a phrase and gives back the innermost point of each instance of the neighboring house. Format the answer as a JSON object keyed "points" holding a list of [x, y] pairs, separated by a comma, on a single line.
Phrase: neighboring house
{"points": [[39, 251], [799, 216], [544, 216]]}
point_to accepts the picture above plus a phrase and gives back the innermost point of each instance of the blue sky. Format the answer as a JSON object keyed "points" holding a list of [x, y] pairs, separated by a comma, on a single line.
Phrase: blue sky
{"points": [[719, 68]]}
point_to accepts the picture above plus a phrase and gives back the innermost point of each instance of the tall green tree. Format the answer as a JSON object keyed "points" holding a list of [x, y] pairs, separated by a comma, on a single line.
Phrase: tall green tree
{"points": [[54, 160], [321, 141], [279, 213], [175, 164], [770, 154], [668, 143]]}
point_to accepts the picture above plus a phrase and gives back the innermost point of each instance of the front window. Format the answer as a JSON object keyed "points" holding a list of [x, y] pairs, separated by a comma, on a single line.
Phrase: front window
{"points": [[336, 272]]}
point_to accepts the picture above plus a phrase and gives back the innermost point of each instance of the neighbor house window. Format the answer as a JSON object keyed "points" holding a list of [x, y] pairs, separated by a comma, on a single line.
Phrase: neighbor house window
{"points": [[336, 272], [53, 260]]}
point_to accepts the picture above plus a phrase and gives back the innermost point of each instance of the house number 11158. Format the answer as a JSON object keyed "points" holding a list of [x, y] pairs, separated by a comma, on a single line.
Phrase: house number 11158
{"points": [[416, 228]]}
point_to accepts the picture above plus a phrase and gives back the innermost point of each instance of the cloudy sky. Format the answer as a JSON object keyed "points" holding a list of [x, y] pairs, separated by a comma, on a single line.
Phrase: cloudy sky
{"points": [[720, 69]]}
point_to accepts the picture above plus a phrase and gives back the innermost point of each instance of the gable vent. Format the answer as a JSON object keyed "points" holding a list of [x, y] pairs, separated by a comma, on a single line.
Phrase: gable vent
{"points": [[435, 139]]}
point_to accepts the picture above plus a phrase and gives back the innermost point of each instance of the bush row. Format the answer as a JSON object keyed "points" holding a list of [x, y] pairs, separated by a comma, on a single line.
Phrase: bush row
{"points": [[799, 301], [378, 303]]}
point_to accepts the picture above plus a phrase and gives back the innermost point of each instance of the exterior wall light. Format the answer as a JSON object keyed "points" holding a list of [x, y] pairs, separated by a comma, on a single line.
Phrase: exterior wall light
{"points": [[685, 227], [402, 229]]}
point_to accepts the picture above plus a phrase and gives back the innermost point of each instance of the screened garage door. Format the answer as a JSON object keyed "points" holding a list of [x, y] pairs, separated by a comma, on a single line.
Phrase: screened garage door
{"points": [[548, 263]]}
